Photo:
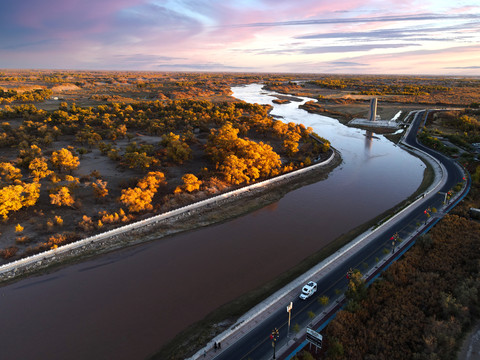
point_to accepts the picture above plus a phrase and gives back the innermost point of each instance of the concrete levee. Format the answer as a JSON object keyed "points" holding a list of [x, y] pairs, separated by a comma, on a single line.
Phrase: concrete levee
{"points": [[93, 243]]}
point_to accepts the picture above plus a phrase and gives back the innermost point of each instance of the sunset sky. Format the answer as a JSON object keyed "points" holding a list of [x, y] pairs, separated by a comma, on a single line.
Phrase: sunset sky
{"points": [[344, 36]]}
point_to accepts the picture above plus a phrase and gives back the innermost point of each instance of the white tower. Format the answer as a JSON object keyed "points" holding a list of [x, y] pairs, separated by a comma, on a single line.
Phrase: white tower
{"points": [[372, 113]]}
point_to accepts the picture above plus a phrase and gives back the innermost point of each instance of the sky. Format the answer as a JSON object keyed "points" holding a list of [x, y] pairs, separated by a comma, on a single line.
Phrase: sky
{"points": [[428, 37]]}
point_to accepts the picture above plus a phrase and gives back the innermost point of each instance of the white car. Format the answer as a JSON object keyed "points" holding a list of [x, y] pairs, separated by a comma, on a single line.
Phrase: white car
{"points": [[308, 290]]}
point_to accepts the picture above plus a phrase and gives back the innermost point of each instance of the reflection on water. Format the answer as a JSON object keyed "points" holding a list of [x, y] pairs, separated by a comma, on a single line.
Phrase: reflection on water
{"points": [[368, 141], [271, 207], [125, 304]]}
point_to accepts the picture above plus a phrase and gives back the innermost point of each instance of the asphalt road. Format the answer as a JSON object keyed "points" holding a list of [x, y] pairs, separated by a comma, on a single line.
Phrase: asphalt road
{"points": [[257, 345]]}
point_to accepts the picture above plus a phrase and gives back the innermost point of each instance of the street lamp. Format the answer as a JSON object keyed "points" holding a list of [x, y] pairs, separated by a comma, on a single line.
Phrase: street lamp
{"points": [[448, 195], [289, 310], [427, 213], [274, 336], [395, 238]]}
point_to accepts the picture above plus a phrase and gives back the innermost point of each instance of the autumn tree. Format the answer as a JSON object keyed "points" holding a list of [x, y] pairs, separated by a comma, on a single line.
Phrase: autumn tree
{"points": [[64, 160], [30, 193], [14, 197], [88, 136], [86, 224], [177, 149], [100, 188], [241, 160], [136, 199], [291, 143], [190, 184], [62, 197], [222, 142], [234, 170], [140, 197], [39, 168], [9, 173], [152, 181], [116, 132], [138, 160], [26, 155]]}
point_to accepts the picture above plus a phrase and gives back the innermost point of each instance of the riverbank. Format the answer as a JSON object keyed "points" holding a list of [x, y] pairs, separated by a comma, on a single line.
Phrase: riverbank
{"points": [[225, 206]]}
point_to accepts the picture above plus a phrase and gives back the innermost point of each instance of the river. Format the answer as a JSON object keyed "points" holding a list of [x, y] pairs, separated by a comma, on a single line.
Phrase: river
{"points": [[126, 304]]}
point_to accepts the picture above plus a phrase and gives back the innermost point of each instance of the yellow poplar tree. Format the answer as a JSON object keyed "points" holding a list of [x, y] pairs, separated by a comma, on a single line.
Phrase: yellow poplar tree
{"points": [[64, 160], [10, 199], [62, 197], [137, 199], [241, 160], [177, 149], [100, 188], [140, 197], [31, 193], [190, 183], [9, 173], [14, 197], [234, 169], [26, 155], [39, 168], [152, 181]]}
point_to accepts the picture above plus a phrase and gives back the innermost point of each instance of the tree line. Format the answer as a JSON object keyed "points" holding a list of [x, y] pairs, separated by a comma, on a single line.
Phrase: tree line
{"points": [[423, 304], [9, 96]]}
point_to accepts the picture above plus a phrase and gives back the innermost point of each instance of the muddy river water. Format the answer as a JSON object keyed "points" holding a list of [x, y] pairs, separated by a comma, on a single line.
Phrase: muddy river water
{"points": [[126, 304]]}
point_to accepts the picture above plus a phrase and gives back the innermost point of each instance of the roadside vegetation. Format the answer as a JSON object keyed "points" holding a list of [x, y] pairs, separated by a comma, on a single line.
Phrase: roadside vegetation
{"points": [[428, 299], [455, 133]]}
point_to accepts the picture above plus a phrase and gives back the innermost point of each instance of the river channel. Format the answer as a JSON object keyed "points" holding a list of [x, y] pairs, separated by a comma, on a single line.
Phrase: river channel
{"points": [[126, 304]]}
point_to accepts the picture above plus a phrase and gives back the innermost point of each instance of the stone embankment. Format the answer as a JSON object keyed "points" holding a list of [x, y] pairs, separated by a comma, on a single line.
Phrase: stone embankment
{"points": [[136, 232]]}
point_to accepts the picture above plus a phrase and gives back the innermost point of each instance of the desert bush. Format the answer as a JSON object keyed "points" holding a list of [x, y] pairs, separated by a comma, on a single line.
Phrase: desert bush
{"points": [[9, 252]]}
